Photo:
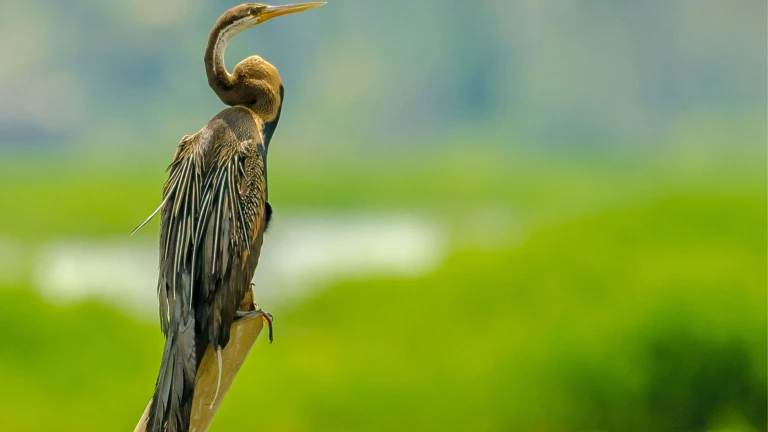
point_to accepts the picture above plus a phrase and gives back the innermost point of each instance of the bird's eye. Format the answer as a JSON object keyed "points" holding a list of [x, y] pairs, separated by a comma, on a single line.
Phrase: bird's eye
{"points": [[256, 10]]}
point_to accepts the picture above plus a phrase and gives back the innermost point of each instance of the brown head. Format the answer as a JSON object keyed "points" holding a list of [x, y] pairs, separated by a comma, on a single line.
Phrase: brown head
{"points": [[254, 82]]}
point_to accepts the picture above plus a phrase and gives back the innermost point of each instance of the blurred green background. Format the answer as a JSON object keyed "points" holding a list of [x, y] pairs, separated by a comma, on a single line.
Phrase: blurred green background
{"points": [[491, 215]]}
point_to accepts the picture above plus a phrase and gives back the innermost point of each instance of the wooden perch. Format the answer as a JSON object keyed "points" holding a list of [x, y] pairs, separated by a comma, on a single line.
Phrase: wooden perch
{"points": [[243, 335]]}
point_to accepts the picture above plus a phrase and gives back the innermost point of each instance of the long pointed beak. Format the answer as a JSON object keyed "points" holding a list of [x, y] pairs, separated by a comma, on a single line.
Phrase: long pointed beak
{"points": [[276, 11]]}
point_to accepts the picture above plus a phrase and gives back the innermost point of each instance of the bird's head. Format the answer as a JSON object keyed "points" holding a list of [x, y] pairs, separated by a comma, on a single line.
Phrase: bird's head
{"points": [[247, 15]]}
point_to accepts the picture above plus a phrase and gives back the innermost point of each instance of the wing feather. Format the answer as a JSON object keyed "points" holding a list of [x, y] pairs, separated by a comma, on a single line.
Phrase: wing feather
{"points": [[230, 213], [212, 222], [212, 217], [179, 211]]}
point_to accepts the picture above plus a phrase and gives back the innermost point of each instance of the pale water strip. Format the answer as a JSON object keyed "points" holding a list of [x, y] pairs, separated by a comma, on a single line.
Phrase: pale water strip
{"points": [[302, 254]]}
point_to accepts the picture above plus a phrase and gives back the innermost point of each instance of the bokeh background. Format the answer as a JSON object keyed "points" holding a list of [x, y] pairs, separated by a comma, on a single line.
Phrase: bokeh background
{"points": [[490, 215]]}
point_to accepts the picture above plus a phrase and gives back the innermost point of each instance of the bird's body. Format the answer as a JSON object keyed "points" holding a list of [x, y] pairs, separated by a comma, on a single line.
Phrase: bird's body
{"points": [[214, 215], [212, 225]]}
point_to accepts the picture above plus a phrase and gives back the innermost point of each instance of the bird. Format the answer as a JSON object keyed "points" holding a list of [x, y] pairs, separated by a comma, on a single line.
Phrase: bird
{"points": [[214, 214]]}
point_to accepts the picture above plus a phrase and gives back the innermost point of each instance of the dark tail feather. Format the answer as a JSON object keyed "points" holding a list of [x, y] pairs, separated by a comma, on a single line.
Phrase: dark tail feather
{"points": [[171, 405]]}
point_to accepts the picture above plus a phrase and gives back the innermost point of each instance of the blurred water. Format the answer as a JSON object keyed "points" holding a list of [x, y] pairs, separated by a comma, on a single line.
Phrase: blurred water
{"points": [[302, 254]]}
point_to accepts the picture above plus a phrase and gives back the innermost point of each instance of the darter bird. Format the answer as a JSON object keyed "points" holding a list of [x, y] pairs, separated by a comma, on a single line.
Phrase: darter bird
{"points": [[214, 214]]}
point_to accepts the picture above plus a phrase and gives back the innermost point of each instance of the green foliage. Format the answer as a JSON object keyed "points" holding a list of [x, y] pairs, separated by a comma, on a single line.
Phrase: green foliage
{"points": [[643, 313], [645, 319]]}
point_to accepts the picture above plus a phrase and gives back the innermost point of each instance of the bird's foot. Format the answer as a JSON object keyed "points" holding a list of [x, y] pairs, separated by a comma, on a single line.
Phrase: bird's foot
{"points": [[268, 320], [265, 316]]}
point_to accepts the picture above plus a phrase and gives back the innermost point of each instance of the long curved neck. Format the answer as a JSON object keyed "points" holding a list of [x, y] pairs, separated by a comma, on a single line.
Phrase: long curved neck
{"points": [[219, 79], [255, 83]]}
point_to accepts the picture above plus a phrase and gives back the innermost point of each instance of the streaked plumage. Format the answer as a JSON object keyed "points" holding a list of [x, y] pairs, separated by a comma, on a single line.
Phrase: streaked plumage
{"points": [[212, 224], [213, 216]]}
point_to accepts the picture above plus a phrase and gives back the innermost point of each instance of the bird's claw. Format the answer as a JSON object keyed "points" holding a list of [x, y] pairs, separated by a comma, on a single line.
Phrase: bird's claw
{"points": [[265, 316]]}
